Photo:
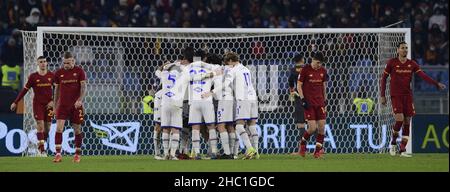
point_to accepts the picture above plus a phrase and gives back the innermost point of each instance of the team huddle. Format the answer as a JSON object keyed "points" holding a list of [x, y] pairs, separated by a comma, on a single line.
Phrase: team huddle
{"points": [[193, 81], [204, 93]]}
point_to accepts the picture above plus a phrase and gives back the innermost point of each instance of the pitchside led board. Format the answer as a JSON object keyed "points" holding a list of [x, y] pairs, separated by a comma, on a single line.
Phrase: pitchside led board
{"points": [[430, 134]]}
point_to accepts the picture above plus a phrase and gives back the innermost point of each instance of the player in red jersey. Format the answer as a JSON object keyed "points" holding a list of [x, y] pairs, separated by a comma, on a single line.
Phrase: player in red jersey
{"points": [[311, 87], [41, 82], [70, 88], [401, 70]]}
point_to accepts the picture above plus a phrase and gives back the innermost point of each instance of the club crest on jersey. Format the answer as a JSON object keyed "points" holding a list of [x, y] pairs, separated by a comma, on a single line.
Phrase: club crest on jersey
{"points": [[169, 94], [198, 89]]}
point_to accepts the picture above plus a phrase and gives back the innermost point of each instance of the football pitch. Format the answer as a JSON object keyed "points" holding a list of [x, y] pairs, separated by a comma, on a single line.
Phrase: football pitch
{"points": [[267, 163]]}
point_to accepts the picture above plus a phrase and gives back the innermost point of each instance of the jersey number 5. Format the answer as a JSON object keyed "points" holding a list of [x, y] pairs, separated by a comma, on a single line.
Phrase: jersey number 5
{"points": [[171, 77]]}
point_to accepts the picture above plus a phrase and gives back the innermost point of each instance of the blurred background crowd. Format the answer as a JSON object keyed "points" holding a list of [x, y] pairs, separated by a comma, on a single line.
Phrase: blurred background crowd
{"points": [[428, 19]]}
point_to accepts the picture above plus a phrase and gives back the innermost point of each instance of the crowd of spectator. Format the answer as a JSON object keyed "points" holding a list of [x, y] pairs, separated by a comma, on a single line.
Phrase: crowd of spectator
{"points": [[428, 19]]}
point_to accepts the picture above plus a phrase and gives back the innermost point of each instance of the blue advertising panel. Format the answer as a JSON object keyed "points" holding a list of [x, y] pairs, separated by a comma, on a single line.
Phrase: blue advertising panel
{"points": [[430, 134], [13, 140], [120, 134], [111, 134]]}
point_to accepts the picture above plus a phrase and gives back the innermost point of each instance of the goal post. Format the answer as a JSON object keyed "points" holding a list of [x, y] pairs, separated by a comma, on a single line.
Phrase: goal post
{"points": [[120, 65]]}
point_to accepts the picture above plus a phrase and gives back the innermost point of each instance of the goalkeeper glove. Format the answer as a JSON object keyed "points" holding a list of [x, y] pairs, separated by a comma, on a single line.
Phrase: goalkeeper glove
{"points": [[304, 103], [292, 96]]}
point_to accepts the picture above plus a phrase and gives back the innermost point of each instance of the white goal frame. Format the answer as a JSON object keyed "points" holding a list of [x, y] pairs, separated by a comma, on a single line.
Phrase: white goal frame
{"points": [[267, 31]]}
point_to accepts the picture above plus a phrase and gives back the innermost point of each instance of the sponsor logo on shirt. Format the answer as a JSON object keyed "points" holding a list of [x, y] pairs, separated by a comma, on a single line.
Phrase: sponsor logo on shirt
{"points": [[69, 81], [44, 84], [315, 80], [403, 71]]}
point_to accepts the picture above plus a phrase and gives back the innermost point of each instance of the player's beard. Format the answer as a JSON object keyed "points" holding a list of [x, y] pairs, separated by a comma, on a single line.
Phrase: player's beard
{"points": [[67, 67], [402, 55]]}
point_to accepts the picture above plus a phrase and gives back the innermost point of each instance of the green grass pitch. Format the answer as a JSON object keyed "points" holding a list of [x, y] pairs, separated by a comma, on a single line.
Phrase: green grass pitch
{"points": [[267, 163]]}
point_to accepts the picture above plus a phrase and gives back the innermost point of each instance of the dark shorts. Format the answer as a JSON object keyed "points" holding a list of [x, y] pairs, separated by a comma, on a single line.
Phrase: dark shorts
{"points": [[299, 114], [75, 116], [186, 115], [403, 104], [41, 113]]}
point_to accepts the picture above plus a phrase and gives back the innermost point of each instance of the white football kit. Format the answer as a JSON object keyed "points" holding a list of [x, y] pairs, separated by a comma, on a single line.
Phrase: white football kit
{"points": [[245, 94], [223, 92], [157, 107], [172, 94], [201, 110], [175, 79]]}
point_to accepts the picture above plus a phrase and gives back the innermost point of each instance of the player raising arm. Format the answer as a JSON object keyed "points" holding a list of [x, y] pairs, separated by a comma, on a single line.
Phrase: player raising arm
{"points": [[41, 82], [157, 118], [239, 77], [401, 70], [175, 80]]}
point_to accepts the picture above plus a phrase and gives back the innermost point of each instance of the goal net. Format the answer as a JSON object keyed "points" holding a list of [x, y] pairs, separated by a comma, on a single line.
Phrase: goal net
{"points": [[120, 65]]}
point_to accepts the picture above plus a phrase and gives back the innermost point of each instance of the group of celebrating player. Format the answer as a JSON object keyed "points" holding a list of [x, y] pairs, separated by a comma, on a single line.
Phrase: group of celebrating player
{"points": [[194, 82]]}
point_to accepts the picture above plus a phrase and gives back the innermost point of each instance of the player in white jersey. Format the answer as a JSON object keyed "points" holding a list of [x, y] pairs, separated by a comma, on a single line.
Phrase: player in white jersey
{"points": [[175, 79], [157, 118], [246, 111], [157, 121], [201, 110], [246, 104], [224, 112]]}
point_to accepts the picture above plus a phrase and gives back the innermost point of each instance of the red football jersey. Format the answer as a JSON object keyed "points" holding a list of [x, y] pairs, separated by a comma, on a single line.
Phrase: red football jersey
{"points": [[42, 87], [69, 82], [401, 75], [312, 87]]}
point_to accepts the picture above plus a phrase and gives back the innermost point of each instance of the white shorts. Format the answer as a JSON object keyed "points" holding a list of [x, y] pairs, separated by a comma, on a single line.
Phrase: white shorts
{"points": [[201, 112], [225, 110], [157, 113], [157, 107], [246, 110], [171, 117]]}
